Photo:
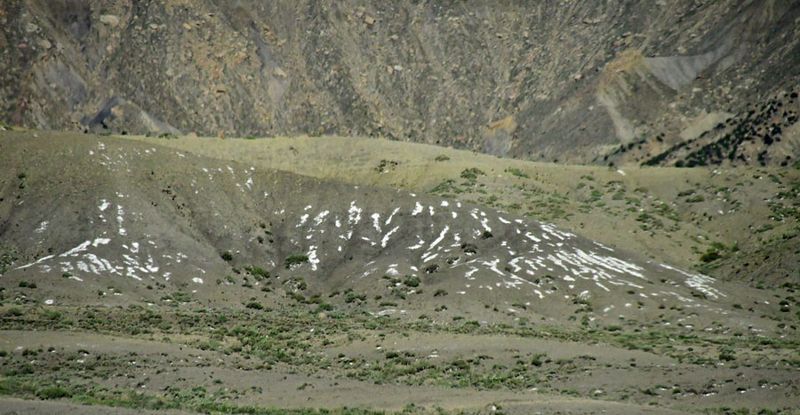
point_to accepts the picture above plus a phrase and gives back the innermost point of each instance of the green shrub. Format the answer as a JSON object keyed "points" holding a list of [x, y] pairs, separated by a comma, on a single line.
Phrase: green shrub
{"points": [[727, 354], [296, 259], [257, 272], [710, 255], [324, 307], [411, 281], [352, 297], [254, 305], [53, 392], [13, 312], [472, 173], [517, 172], [538, 359]]}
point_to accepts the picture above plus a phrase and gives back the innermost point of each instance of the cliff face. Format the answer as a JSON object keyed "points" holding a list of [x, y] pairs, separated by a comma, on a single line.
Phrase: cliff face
{"points": [[604, 82]]}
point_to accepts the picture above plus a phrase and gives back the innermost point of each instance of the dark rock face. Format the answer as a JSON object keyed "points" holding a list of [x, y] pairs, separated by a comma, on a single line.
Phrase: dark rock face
{"points": [[568, 83]]}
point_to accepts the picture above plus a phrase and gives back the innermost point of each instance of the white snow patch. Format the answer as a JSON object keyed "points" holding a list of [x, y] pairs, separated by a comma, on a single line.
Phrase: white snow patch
{"points": [[385, 239], [485, 224], [699, 282], [417, 209], [376, 221], [354, 213], [42, 227], [469, 273], [303, 220], [426, 259], [418, 245], [312, 257], [321, 217], [440, 238], [389, 219]]}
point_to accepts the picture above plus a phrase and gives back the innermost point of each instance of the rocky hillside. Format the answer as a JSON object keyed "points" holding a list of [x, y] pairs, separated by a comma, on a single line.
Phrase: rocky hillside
{"points": [[606, 82]]}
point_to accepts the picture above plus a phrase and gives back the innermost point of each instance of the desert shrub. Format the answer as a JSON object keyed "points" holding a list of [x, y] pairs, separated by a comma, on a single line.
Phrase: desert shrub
{"points": [[352, 297], [13, 312], [710, 255], [472, 173], [411, 281], [430, 269], [257, 272], [26, 284], [727, 354], [386, 165], [324, 307], [538, 359], [469, 248], [296, 259], [254, 305], [517, 172], [53, 392]]}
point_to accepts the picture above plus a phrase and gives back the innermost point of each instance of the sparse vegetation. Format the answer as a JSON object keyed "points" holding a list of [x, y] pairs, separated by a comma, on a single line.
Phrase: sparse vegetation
{"points": [[517, 172], [257, 272], [280, 338], [471, 174], [7, 257]]}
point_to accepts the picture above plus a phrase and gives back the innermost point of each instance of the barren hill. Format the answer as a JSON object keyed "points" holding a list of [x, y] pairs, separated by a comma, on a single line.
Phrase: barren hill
{"points": [[109, 220]]}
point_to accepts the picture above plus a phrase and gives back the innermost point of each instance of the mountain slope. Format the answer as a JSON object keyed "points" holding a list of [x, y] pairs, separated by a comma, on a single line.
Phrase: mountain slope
{"points": [[737, 223], [129, 222], [134, 274], [617, 82]]}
